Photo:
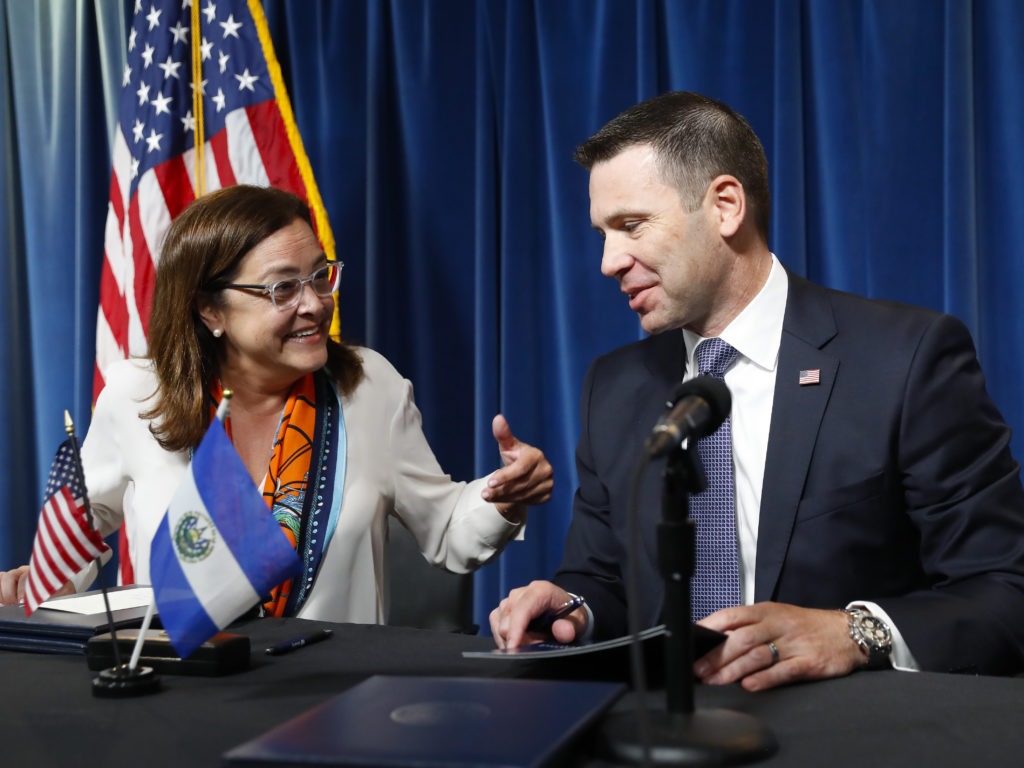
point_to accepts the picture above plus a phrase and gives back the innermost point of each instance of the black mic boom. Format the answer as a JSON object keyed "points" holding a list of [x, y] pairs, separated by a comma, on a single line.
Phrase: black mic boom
{"points": [[698, 407]]}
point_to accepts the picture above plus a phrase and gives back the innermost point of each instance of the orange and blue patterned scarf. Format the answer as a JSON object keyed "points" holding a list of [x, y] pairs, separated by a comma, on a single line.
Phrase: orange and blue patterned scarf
{"points": [[304, 481]]}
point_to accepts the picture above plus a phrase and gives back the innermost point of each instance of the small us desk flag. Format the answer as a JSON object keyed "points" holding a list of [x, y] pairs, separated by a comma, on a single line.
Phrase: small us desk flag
{"points": [[218, 550], [65, 543], [174, 142]]}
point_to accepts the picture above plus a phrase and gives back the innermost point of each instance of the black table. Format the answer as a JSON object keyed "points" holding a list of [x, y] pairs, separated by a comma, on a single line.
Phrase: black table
{"points": [[49, 717]]}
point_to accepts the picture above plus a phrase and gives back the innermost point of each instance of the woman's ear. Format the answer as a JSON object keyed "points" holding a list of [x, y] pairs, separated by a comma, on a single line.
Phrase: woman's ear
{"points": [[210, 315]]}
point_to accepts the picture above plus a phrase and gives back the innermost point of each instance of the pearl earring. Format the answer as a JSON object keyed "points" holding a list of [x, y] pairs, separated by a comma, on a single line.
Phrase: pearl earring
{"points": [[217, 333]]}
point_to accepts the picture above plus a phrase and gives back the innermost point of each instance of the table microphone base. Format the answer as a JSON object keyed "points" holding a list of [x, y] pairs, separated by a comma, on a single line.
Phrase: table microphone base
{"points": [[121, 682], [704, 737]]}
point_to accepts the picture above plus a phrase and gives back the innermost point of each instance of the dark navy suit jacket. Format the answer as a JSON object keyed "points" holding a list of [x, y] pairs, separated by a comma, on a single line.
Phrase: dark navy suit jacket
{"points": [[890, 481]]}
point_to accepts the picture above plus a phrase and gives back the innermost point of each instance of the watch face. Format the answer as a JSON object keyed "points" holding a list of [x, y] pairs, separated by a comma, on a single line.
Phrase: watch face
{"points": [[875, 632]]}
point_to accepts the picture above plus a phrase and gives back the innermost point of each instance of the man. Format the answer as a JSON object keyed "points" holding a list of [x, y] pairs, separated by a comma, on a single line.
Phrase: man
{"points": [[879, 515]]}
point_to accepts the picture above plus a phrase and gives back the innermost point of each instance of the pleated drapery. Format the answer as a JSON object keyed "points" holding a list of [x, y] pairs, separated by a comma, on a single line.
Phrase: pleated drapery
{"points": [[441, 134]]}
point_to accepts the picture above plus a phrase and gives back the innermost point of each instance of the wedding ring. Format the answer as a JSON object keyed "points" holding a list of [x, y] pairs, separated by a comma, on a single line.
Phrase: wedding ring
{"points": [[775, 652]]}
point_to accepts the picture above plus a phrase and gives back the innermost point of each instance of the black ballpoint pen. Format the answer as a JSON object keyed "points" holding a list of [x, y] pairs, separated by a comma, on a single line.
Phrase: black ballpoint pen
{"points": [[299, 642], [543, 622]]}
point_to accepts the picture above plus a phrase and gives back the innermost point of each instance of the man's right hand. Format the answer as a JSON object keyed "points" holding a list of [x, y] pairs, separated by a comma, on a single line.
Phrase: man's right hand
{"points": [[510, 619]]}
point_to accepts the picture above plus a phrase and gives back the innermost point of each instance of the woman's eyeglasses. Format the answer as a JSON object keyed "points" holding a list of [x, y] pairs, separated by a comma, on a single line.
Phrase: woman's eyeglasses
{"points": [[286, 293]]}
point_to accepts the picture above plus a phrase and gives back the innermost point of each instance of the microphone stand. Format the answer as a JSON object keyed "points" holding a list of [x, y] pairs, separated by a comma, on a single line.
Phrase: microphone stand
{"points": [[680, 734]]}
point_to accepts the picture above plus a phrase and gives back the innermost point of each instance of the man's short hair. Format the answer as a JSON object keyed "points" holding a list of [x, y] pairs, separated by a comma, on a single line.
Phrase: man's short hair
{"points": [[695, 139]]}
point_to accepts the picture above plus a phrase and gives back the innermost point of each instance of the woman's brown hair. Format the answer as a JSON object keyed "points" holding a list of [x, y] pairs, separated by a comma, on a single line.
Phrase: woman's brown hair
{"points": [[204, 247]]}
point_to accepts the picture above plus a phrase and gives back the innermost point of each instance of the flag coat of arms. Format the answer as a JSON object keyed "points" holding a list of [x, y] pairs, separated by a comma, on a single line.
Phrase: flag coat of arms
{"points": [[219, 550]]}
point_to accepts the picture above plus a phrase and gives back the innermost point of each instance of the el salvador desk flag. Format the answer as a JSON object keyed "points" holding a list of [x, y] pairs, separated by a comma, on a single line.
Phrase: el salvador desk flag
{"points": [[218, 550]]}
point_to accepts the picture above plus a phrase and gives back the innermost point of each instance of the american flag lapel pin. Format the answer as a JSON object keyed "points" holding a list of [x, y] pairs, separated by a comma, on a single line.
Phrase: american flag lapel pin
{"points": [[810, 377]]}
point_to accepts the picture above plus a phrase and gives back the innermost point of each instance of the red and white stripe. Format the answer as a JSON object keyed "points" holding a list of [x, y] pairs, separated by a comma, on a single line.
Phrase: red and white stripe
{"points": [[64, 545]]}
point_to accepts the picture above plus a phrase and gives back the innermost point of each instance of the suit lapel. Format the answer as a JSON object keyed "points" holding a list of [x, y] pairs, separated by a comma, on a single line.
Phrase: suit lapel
{"points": [[797, 412]]}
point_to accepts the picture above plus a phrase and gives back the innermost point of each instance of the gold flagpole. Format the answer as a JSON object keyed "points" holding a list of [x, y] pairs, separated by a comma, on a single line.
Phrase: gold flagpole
{"points": [[197, 102]]}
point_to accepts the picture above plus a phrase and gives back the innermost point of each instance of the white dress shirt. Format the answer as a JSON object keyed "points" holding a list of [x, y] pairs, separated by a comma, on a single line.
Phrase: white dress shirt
{"points": [[756, 334]]}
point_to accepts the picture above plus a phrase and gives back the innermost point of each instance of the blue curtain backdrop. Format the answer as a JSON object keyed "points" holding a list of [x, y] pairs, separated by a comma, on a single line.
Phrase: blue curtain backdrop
{"points": [[441, 134]]}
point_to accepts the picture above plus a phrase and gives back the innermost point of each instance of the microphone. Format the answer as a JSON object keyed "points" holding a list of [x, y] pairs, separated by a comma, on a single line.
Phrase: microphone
{"points": [[698, 407]]}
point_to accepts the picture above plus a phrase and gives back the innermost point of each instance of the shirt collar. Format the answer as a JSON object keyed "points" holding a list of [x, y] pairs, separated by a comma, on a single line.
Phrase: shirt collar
{"points": [[756, 332]]}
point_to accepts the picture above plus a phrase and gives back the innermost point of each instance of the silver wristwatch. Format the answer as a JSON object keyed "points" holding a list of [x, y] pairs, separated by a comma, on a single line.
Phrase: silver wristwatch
{"points": [[872, 635]]}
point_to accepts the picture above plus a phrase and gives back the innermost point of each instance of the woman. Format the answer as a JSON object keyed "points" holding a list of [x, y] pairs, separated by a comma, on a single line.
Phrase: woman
{"points": [[244, 299]]}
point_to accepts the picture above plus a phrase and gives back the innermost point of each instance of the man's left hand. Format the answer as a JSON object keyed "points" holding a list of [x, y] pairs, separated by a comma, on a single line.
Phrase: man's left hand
{"points": [[810, 644]]}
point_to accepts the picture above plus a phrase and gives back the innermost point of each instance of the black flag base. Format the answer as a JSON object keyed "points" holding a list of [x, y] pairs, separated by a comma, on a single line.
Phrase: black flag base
{"points": [[122, 682], [704, 737]]}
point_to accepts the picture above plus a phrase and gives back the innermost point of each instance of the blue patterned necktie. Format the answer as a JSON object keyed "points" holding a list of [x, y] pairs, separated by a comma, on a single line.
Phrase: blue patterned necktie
{"points": [[716, 578]]}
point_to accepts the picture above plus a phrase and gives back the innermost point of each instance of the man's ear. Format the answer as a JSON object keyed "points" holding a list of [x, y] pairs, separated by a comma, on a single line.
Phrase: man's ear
{"points": [[729, 201]]}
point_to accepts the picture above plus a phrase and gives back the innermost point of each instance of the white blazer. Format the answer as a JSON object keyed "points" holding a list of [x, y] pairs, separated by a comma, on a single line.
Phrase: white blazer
{"points": [[390, 469]]}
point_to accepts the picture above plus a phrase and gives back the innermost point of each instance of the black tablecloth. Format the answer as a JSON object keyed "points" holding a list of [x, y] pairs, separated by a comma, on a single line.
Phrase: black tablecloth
{"points": [[49, 717]]}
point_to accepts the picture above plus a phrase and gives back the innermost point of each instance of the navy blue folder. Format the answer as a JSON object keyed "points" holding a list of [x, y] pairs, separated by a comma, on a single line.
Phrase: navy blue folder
{"points": [[53, 631], [436, 721]]}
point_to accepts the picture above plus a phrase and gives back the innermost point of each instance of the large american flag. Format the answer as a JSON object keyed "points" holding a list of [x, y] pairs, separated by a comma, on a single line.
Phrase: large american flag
{"points": [[65, 543], [250, 137]]}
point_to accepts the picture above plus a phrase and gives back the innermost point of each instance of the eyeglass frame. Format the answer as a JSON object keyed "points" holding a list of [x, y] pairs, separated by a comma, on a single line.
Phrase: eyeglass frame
{"points": [[269, 288]]}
